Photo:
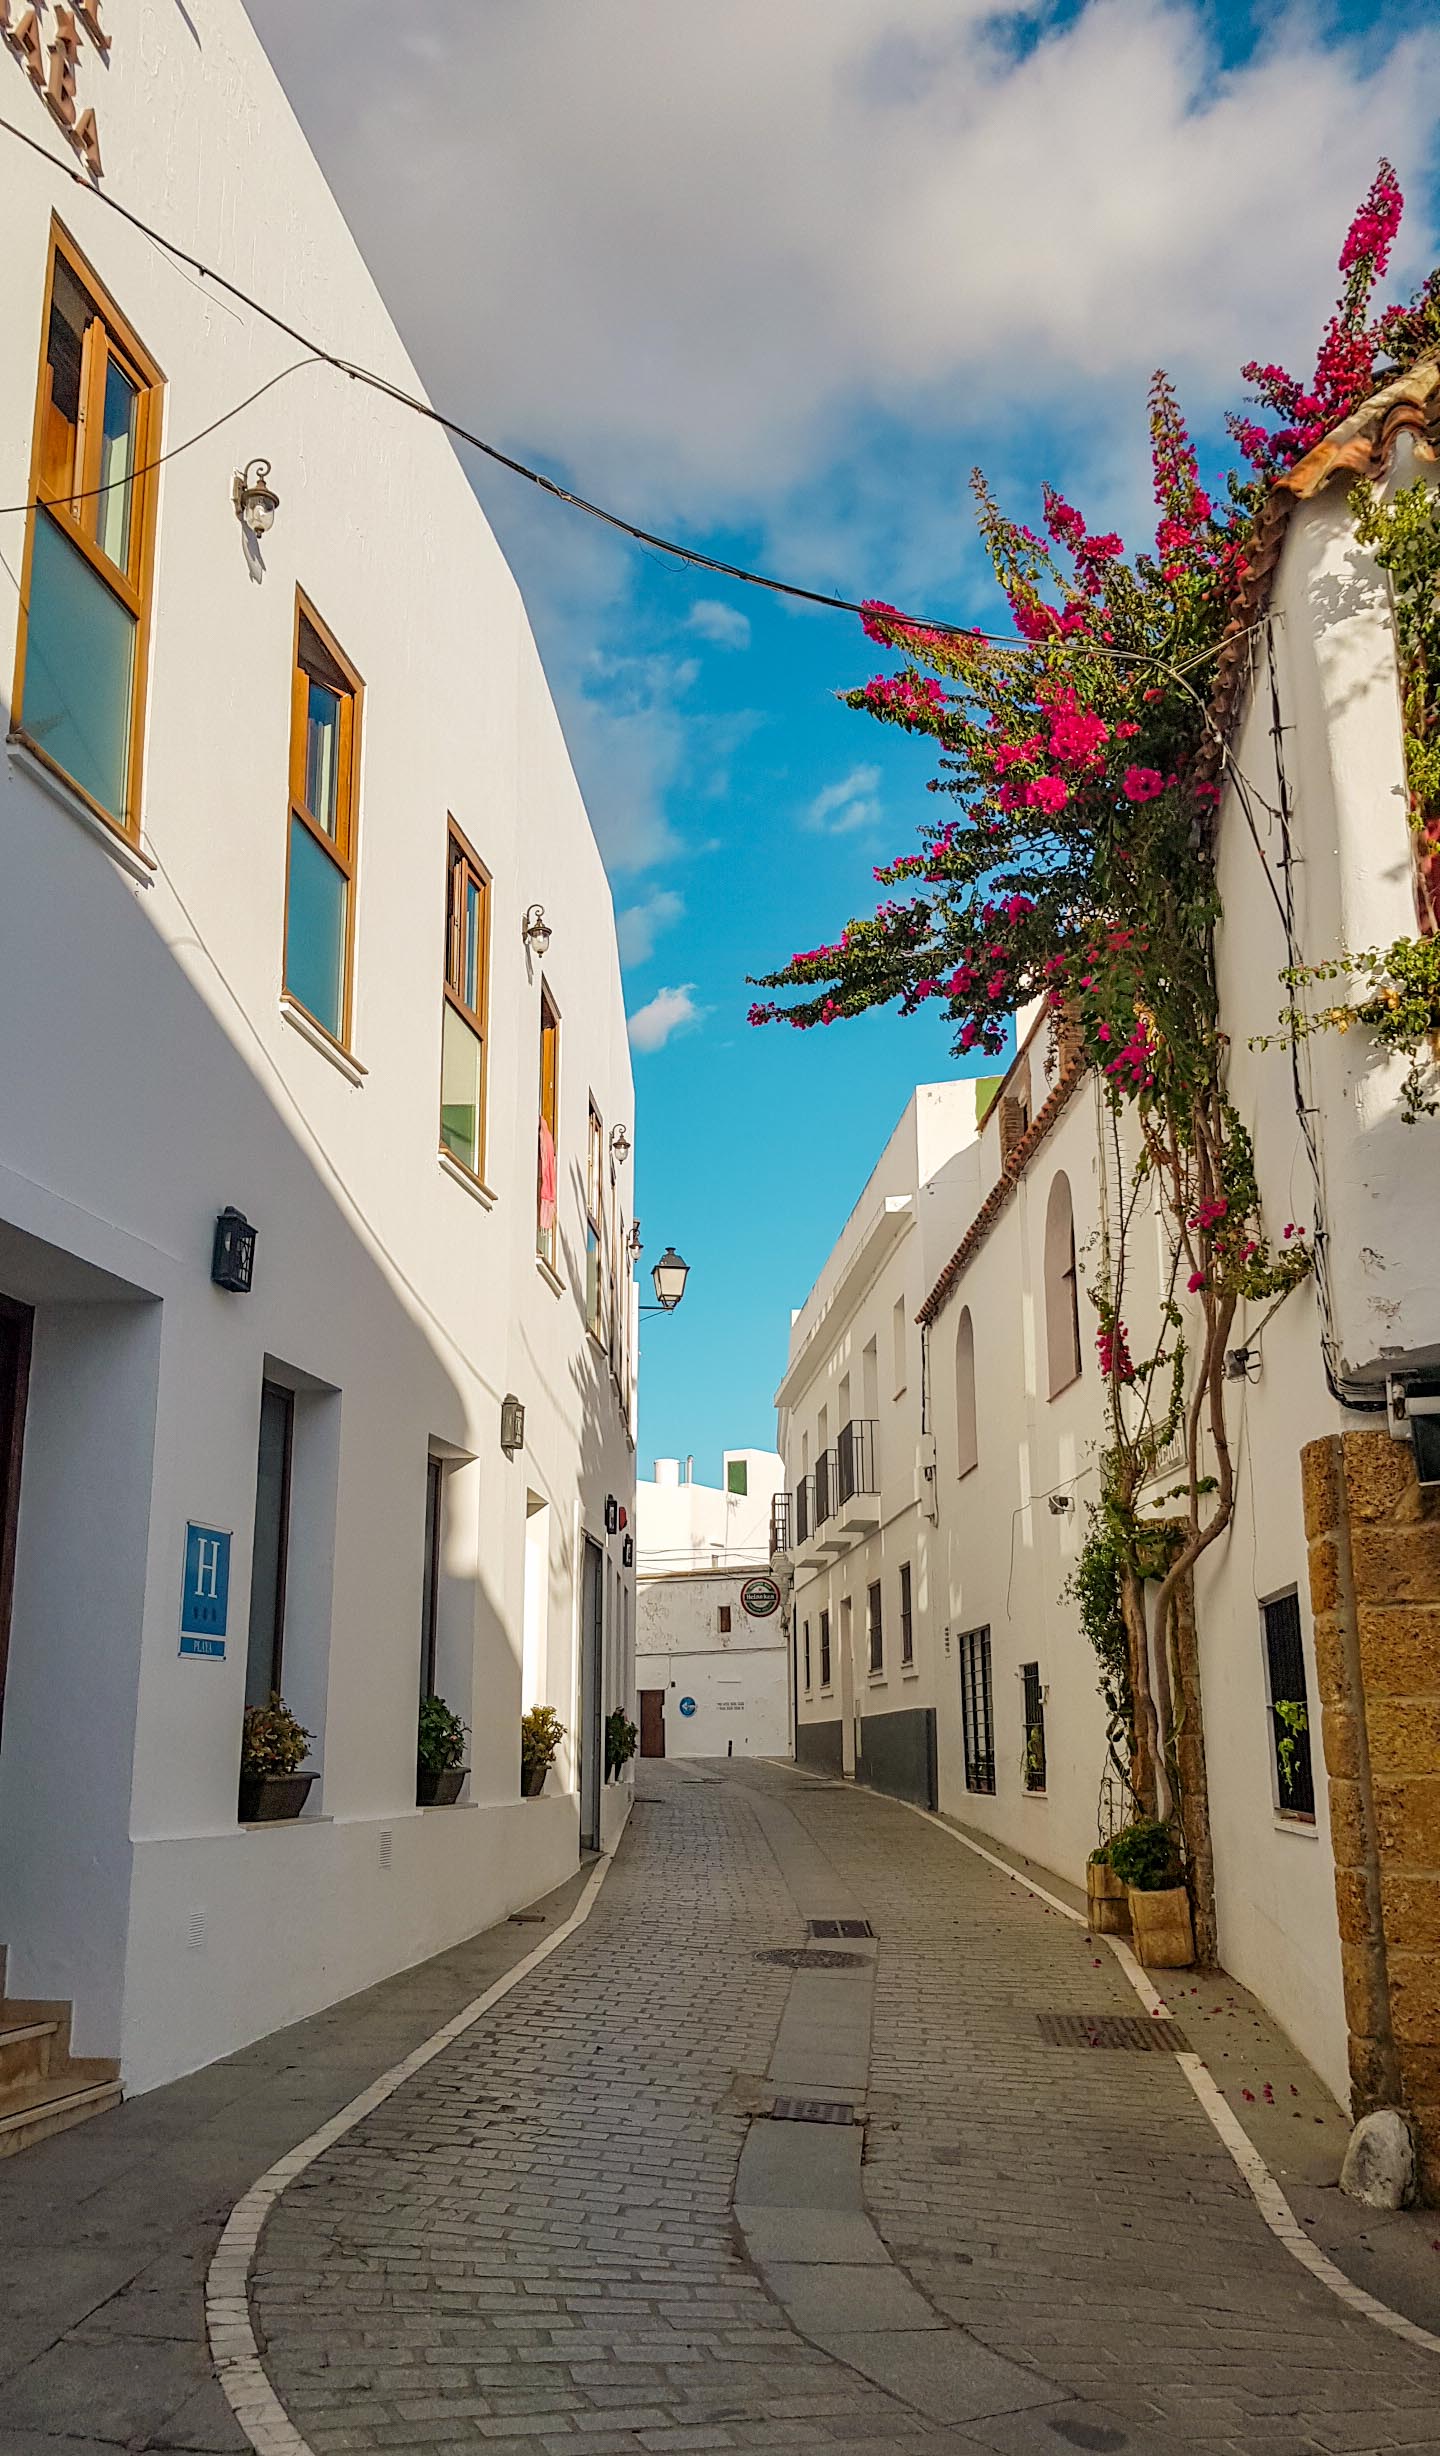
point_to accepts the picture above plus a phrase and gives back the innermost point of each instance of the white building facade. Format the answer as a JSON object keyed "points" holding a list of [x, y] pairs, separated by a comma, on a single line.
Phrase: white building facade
{"points": [[274, 811], [1325, 1876], [712, 1665]]}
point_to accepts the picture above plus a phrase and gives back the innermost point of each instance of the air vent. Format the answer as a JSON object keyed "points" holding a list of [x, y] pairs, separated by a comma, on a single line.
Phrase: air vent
{"points": [[1113, 2030], [838, 1927]]}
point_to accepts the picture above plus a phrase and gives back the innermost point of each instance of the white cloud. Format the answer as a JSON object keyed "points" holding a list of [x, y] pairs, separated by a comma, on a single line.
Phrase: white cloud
{"points": [[1046, 194], [722, 624], [846, 806], [669, 1011], [642, 923]]}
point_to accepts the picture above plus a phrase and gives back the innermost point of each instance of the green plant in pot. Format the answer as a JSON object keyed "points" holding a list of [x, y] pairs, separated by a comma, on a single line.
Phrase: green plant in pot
{"points": [[273, 1747], [621, 1738], [541, 1732], [1146, 1858], [440, 1755]]}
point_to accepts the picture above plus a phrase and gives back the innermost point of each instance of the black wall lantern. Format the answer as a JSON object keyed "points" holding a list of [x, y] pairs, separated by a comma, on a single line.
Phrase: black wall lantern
{"points": [[612, 1513], [232, 1262], [627, 1553], [512, 1425]]}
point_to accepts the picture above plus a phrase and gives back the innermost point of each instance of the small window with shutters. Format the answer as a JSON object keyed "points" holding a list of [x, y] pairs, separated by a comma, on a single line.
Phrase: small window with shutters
{"points": [[824, 1650], [1289, 1708], [907, 1617], [876, 1629], [806, 1634], [725, 1609]]}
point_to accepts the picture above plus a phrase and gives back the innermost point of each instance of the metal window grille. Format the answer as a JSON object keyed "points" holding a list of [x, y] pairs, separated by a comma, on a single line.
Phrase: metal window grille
{"points": [[907, 1625], [807, 1657], [1034, 1727], [877, 1632], [804, 1508], [824, 1650], [976, 1711], [855, 1459], [780, 1523], [1289, 1706], [824, 1486]]}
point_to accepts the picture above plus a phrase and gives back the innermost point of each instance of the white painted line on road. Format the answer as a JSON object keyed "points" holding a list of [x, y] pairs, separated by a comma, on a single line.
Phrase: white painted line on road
{"points": [[233, 2349], [1265, 2191]]}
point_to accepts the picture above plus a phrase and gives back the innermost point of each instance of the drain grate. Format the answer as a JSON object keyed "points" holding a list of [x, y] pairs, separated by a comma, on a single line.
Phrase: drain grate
{"points": [[838, 1927], [812, 2110], [1113, 2030], [527, 1918], [795, 1957]]}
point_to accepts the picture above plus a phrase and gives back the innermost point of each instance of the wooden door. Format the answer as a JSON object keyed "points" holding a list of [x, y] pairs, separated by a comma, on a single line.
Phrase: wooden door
{"points": [[652, 1722], [16, 1322]]}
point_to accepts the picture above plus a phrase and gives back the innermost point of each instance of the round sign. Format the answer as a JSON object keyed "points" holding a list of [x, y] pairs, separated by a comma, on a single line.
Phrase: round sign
{"points": [[759, 1597], [687, 1705]]}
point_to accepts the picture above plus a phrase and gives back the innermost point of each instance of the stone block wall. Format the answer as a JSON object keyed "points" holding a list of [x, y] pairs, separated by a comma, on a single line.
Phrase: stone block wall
{"points": [[1374, 1547]]}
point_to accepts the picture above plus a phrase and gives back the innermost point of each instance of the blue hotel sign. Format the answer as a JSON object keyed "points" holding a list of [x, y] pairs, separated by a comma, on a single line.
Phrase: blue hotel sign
{"points": [[205, 1601]]}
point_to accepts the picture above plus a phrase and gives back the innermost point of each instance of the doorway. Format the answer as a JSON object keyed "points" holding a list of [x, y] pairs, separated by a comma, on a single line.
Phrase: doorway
{"points": [[16, 1326], [652, 1722], [592, 1661]]}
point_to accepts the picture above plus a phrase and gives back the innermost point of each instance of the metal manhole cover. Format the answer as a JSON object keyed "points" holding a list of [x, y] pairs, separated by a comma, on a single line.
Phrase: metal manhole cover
{"points": [[1144, 2037], [839, 1927], [796, 1957], [812, 2110]]}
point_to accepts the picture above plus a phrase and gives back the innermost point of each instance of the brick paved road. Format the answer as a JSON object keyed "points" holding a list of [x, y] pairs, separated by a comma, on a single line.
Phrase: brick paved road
{"points": [[532, 2247]]}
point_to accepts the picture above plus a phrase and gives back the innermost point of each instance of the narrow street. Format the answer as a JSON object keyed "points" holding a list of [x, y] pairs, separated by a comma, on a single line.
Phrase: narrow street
{"points": [[580, 2228]]}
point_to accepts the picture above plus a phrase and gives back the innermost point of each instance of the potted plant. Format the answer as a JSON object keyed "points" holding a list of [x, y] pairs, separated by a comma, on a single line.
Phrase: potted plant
{"points": [[1146, 1859], [620, 1740], [440, 1755], [1105, 1895], [272, 1747], [541, 1732]]}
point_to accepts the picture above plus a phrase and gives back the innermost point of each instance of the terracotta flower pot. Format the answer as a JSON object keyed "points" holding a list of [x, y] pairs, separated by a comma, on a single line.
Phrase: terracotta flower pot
{"points": [[438, 1790], [1108, 1901], [268, 1799], [1160, 1925]]}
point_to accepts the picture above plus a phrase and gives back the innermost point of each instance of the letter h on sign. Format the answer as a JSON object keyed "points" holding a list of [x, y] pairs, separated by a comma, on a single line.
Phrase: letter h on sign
{"points": [[205, 1601]]}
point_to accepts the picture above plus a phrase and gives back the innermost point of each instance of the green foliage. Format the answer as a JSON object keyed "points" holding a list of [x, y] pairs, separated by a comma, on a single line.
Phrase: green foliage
{"points": [[1405, 536], [1146, 1856], [621, 1740], [1294, 1722], [1100, 1856], [272, 1741], [541, 1732], [1400, 1005], [440, 1744], [1094, 1588]]}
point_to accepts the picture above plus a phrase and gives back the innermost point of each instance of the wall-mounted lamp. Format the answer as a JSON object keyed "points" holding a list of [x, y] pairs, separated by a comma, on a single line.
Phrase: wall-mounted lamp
{"points": [[232, 1259], [669, 1275], [635, 1246], [627, 1553], [255, 499], [512, 1424], [620, 1144], [1059, 1503], [536, 930]]}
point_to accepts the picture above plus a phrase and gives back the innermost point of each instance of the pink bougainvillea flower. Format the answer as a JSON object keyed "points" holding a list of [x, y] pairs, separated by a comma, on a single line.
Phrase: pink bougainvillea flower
{"points": [[1047, 793], [1141, 784], [1195, 1282]]}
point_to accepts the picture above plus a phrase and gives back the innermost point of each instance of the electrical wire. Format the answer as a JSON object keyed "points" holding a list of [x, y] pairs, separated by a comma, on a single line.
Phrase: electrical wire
{"points": [[692, 556], [89, 493]]}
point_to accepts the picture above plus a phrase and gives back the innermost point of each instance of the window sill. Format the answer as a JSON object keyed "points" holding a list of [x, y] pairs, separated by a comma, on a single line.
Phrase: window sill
{"points": [[826, 1692], [909, 1672], [550, 1275], [318, 1038], [1289, 1822], [876, 1679], [121, 848], [282, 1824], [460, 1174]]}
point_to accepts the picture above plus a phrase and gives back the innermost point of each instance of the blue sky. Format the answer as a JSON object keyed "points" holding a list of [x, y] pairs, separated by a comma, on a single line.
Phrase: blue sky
{"points": [[771, 278]]}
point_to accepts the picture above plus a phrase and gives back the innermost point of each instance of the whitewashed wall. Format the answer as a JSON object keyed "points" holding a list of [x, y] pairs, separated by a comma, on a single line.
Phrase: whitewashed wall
{"points": [[161, 1082], [738, 1681]]}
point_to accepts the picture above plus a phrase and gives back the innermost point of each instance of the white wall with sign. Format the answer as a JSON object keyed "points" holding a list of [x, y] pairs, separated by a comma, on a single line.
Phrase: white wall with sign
{"points": [[724, 1686]]}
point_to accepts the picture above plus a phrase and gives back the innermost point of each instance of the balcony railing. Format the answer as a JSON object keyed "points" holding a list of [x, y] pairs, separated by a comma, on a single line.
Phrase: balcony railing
{"points": [[824, 1487], [804, 1509], [855, 1459], [780, 1522]]}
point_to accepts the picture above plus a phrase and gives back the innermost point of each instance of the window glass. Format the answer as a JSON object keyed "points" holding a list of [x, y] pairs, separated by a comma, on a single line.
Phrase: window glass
{"points": [[117, 465], [322, 756], [315, 931], [548, 1172], [460, 1073], [79, 667], [70, 312], [470, 987]]}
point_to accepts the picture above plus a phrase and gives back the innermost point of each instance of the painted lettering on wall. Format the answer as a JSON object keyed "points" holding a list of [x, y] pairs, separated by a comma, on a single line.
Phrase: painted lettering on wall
{"points": [[46, 42]]}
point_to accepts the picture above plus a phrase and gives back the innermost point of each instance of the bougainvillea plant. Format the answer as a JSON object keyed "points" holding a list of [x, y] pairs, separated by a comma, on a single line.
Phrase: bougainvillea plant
{"points": [[1070, 858]]}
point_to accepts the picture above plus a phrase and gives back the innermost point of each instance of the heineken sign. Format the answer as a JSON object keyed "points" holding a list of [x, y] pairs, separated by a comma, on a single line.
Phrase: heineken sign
{"points": [[759, 1597]]}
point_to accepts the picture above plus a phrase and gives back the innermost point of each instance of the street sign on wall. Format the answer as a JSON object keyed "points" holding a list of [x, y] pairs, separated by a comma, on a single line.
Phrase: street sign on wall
{"points": [[759, 1597], [205, 1596]]}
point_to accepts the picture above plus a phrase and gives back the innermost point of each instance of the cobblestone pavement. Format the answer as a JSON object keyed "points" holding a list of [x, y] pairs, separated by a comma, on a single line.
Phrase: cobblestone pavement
{"points": [[533, 2246]]}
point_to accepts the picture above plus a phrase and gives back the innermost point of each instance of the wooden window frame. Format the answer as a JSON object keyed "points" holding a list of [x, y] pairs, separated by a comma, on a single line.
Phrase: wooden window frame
{"points": [[342, 848], [547, 1240], [478, 1015], [133, 587]]}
